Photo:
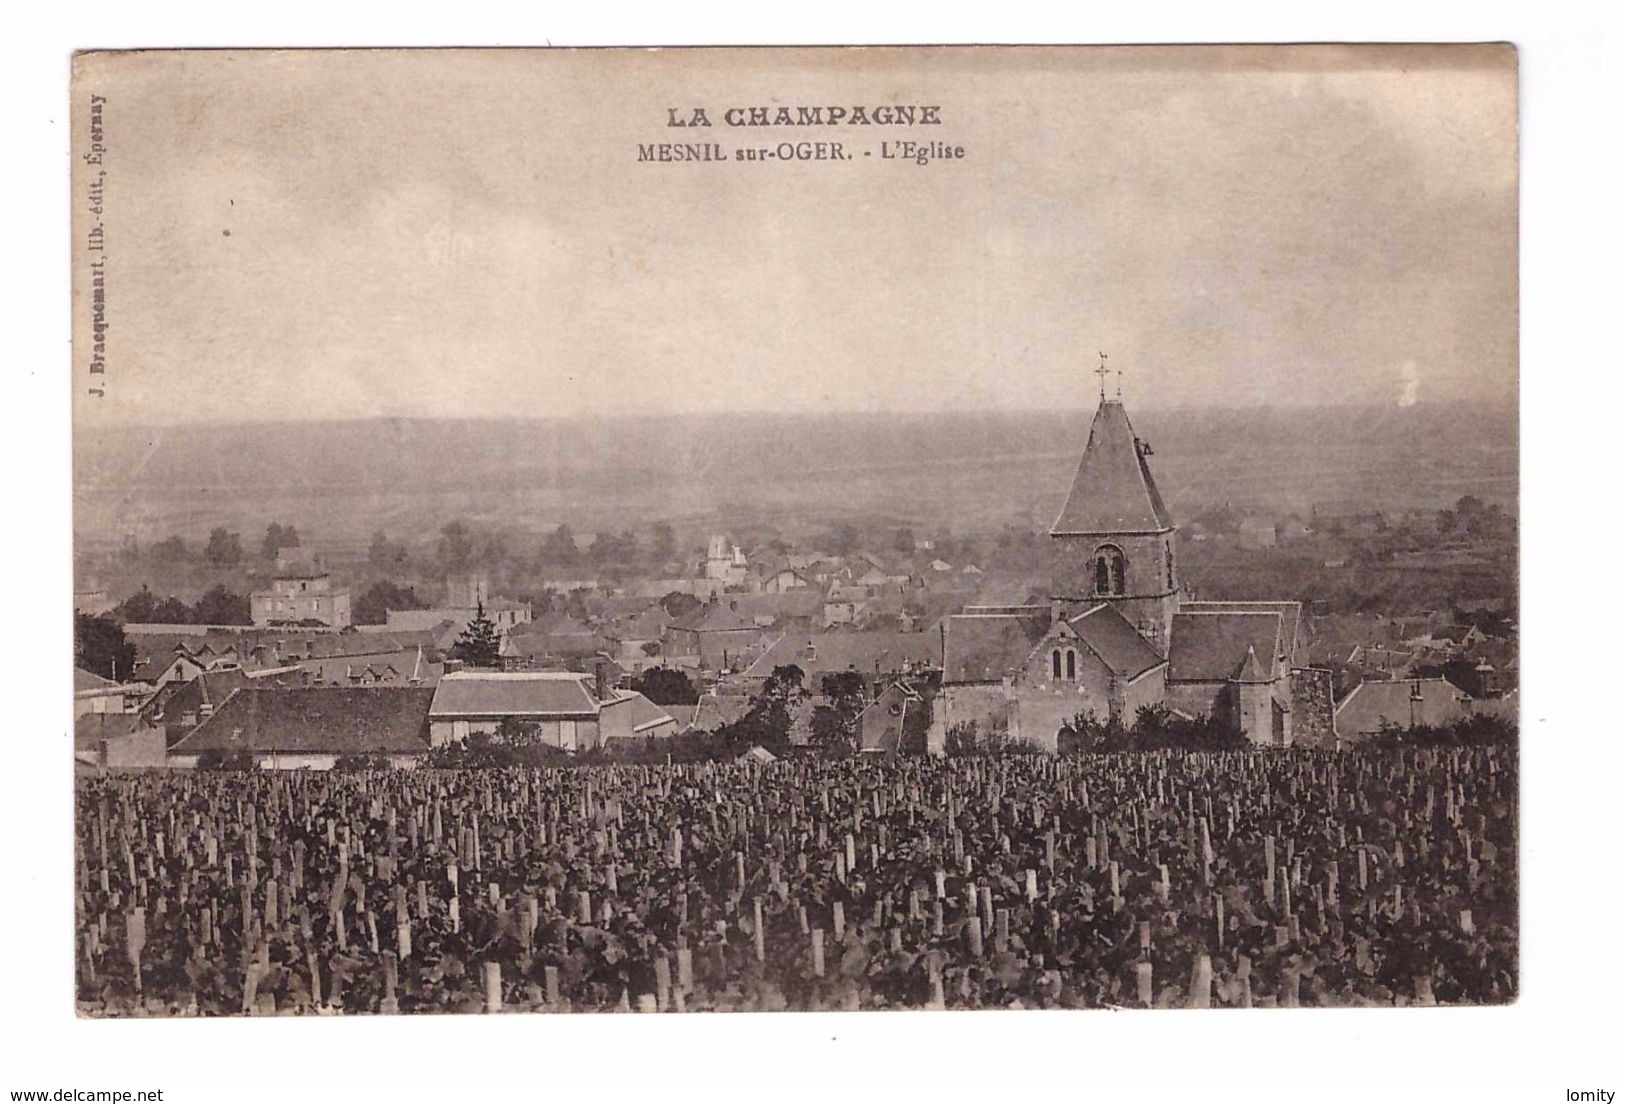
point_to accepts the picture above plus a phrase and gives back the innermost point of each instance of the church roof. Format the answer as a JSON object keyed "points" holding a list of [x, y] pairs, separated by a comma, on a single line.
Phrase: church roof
{"points": [[1119, 645], [1291, 618], [1224, 646], [1113, 491], [987, 647]]}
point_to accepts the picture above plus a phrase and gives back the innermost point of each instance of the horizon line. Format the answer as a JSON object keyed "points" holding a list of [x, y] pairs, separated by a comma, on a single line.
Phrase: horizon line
{"points": [[615, 416]]}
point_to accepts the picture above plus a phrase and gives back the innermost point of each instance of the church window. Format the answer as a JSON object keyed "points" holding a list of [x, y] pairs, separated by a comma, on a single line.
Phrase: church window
{"points": [[1168, 550], [1109, 570], [1071, 666], [1055, 664]]}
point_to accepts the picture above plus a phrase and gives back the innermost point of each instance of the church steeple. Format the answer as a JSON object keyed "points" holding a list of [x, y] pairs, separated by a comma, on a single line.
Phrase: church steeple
{"points": [[1115, 529]]}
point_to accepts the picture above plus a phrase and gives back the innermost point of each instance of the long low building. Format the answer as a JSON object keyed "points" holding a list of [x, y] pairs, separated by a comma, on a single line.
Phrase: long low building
{"points": [[576, 712], [310, 728]]}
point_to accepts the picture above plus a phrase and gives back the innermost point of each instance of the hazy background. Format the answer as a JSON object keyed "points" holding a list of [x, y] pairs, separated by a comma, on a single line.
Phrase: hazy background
{"points": [[467, 235]]}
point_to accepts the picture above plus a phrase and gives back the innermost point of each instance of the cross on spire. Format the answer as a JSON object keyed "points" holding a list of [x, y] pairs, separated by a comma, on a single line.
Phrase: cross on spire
{"points": [[1102, 372]]}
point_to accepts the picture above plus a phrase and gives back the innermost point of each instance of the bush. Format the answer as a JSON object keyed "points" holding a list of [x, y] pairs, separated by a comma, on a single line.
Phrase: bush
{"points": [[216, 759], [1479, 730], [362, 762], [965, 740], [1155, 728]]}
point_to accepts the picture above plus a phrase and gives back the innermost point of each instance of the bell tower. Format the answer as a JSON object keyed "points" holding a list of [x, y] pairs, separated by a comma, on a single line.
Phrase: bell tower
{"points": [[1115, 533]]}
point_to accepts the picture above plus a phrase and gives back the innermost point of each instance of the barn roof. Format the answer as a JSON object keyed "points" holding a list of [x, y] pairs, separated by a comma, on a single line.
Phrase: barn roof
{"points": [[514, 694], [1113, 491], [325, 720], [1370, 705]]}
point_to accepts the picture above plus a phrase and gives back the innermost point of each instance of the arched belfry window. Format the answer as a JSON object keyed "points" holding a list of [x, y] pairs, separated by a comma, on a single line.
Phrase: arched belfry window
{"points": [[1169, 558], [1055, 664], [1109, 571], [1071, 665]]}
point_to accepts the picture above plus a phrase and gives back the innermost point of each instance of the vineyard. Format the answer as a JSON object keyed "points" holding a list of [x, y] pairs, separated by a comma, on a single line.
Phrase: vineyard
{"points": [[1379, 877]]}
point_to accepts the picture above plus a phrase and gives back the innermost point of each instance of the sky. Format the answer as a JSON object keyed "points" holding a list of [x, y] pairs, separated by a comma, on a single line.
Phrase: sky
{"points": [[470, 234]]}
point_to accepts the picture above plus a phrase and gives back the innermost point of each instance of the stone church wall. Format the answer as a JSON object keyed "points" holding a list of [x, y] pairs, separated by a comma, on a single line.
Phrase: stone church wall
{"points": [[1312, 707]]}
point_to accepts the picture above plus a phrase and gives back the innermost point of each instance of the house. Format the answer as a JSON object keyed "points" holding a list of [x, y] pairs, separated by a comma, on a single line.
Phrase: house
{"points": [[721, 635], [576, 712], [875, 655], [116, 741], [94, 694], [309, 728], [1408, 703], [725, 562], [178, 707], [299, 596], [884, 721], [716, 708], [786, 578], [553, 640]]}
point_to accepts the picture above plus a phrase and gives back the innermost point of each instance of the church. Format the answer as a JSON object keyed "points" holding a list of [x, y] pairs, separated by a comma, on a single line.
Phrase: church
{"points": [[1119, 633]]}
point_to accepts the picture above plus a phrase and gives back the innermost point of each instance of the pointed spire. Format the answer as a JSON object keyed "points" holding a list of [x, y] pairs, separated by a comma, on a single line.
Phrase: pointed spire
{"points": [[1113, 491], [1251, 669]]}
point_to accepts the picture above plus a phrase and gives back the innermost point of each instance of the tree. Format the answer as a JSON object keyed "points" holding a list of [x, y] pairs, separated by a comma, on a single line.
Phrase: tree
{"points": [[665, 686], [219, 606], [137, 608], [278, 537], [679, 605], [785, 683], [480, 644], [559, 549], [663, 545], [841, 684], [456, 546], [224, 549], [374, 604], [218, 759], [172, 611], [169, 551], [831, 727], [846, 540], [903, 541], [384, 553], [100, 647]]}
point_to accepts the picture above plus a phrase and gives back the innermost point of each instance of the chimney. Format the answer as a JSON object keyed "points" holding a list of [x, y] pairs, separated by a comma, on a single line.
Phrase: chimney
{"points": [[1056, 612]]}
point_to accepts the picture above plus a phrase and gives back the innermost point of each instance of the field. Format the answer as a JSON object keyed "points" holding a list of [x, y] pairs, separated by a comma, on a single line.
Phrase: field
{"points": [[1170, 880], [798, 475]]}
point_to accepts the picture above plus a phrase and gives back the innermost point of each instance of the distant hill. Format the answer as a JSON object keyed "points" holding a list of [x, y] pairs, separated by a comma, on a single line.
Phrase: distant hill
{"points": [[343, 480]]}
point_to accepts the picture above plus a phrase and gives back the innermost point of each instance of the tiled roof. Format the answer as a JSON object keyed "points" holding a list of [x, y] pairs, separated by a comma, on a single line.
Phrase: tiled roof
{"points": [[1118, 644], [514, 694], [987, 647], [90, 729], [325, 720], [88, 680], [1212, 647], [1113, 491], [1291, 620], [1368, 705], [868, 652], [713, 711], [645, 713]]}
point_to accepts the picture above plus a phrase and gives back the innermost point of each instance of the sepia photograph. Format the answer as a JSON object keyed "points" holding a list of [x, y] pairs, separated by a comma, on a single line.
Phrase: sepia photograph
{"points": [[794, 529]]}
